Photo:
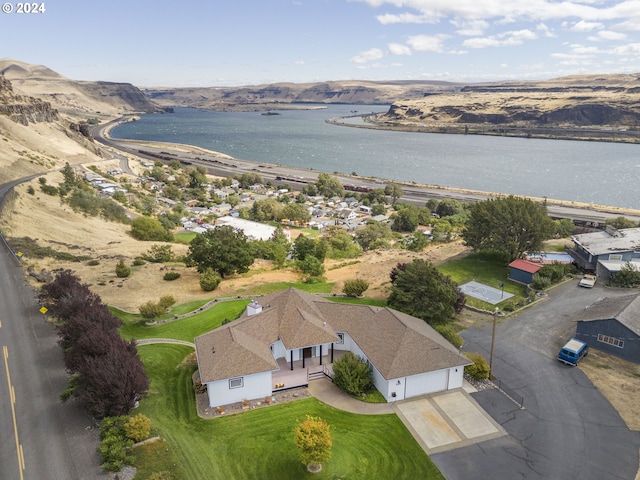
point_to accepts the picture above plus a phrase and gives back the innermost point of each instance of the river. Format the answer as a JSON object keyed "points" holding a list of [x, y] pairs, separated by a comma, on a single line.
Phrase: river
{"points": [[598, 173]]}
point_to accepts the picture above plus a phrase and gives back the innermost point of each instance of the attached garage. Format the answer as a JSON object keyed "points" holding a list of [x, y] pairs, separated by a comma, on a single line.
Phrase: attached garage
{"points": [[426, 383]]}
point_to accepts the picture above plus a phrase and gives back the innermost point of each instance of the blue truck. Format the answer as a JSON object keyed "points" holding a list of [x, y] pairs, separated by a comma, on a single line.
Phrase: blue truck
{"points": [[572, 352]]}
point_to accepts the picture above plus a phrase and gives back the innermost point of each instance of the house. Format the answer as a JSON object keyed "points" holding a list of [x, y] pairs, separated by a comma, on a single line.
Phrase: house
{"points": [[522, 271], [291, 330], [613, 326], [605, 252], [346, 214]]}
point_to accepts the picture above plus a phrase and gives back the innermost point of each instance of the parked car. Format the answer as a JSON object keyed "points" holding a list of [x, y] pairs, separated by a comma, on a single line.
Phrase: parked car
{"points": [[573, 351], [587, 281]]}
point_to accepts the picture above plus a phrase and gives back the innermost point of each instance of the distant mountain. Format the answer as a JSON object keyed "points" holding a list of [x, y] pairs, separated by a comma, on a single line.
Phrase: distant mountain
{"points": [[75, 98], [291, 95]]}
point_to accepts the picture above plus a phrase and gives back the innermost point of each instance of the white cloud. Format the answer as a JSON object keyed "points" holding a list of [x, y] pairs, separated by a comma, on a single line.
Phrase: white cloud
{"points": [[583, 26], [607, 35], [629, 49], [470, 28], [545, 30], [368, 56], [389, 18], [481, 42], [299, 62], [427, 43], [399, 49], [504, 39]]}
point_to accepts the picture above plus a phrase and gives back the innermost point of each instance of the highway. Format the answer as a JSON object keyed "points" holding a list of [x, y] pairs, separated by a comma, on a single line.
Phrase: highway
{"points": [[42, 438], [224, 166]]}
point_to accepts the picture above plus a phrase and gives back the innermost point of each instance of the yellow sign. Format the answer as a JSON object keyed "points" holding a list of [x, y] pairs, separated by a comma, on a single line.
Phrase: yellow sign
{"points": [[19, 254], [43, 310]]}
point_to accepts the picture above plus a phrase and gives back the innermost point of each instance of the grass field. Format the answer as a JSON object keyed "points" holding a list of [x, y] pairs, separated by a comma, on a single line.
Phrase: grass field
{"points": [[259, 444]]}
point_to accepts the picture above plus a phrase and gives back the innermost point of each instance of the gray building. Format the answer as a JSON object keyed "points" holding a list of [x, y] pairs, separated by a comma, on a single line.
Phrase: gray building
{"points": [[606, 252], [613, 326]]}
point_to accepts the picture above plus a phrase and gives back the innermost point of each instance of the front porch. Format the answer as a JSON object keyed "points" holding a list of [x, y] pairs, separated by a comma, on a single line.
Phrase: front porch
{"points": [[286, 378]]}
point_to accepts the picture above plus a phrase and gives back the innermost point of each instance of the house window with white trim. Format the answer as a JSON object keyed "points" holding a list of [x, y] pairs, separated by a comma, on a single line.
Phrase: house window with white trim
{"points": [[340, 337], [615, 256], [616, 342], [236, 382]]}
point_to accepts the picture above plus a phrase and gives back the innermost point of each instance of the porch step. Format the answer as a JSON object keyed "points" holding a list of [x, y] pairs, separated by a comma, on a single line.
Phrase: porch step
{"points": [[315, 375]]}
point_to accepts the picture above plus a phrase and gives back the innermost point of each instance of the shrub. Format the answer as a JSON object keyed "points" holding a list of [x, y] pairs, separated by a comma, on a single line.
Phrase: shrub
{"points": [[138, 261], [480, 367], [138, 428], [114, 444], [209, 280], [352, 374], [159, 254], [31, 190], [122, 270], [166, 301], [451, 335], [169, 276], [355, 287], [540, 282], [150, 310], [93, 263]]}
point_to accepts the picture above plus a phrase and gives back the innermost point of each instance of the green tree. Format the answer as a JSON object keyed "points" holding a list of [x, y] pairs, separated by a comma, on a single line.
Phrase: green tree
{"points": [[159, 254], [510, 225], [311, 266], [313, 439], [249, 178], [304, 247], [138, 427], [378, 209], [150, 310], [394, 191], [296, 212], [352, 374], [419, 289], [147, 228], [405, 219], [448, 207], [355, 287], [209, 280], [329, 186], [222, 249], [620, 223], [70, 177], [172, 192], [374, 235], [563, 228], [122, 270], [627, 277]]}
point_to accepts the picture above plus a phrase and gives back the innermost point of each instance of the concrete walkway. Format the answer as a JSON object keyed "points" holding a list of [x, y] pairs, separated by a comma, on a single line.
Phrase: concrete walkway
{"points": [[440, 421]]}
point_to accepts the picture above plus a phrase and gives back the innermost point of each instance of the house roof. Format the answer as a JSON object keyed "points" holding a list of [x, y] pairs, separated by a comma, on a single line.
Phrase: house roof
{"points": [[625, 309], [609, 241], [525, 265], [396, 344]]}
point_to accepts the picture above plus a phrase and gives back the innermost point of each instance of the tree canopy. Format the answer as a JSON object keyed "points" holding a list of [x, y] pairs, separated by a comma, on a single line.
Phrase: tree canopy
{"points": [[313, 439], [329, 186], [222, 249], [509, 225], [147, 228], [419, 289]]}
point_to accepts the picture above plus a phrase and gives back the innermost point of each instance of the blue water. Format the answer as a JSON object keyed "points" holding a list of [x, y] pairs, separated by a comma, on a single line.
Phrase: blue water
{"points": [[554, 257], [590, 172]]}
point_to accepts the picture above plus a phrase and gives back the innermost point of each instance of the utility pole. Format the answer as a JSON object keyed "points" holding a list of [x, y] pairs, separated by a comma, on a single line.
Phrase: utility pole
{"points": [[493, 338]]}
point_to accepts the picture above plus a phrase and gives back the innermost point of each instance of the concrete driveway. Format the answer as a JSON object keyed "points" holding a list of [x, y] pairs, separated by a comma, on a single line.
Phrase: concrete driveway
{"points": [[567, 428]]}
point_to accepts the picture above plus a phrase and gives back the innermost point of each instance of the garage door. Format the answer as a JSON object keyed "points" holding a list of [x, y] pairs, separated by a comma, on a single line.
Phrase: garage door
{"points": [[426, 383]]}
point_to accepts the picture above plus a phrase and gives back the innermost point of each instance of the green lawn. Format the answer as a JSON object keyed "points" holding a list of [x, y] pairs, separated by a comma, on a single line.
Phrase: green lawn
{"points": [[360, 301], [184, 237], [259, 444], [184, 329], [267, 288], [483, 268]]}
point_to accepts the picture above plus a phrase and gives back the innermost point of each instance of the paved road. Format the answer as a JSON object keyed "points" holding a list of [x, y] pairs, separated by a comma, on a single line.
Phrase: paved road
{"points": [[40, 438], [567, 429]]}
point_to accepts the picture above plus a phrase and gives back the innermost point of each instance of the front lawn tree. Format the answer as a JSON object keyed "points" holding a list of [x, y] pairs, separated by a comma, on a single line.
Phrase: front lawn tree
{"points": [[222, 249], [313, 438], [509, 225], [419, 289]]}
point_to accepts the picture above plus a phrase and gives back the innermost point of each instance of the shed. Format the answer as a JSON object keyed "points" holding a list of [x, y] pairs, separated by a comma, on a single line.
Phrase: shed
{"points": [[522, 271], [613, 326]]}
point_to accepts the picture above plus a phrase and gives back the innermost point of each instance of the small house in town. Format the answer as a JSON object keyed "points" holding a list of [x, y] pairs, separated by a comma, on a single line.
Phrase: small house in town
{"points": [[522, 271], [607, 251], [612, 324], [276, 342], [253, 230]]}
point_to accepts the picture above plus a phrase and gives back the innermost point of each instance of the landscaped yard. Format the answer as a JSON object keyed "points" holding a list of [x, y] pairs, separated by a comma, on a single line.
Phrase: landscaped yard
{"points": [[259, 444]]}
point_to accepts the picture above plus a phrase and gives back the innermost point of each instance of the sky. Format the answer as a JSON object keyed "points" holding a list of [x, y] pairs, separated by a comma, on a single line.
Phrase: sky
{"points": [[249, 42]]}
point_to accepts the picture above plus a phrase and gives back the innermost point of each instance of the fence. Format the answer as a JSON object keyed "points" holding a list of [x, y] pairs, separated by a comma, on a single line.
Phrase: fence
{"points": [[509, 392]]}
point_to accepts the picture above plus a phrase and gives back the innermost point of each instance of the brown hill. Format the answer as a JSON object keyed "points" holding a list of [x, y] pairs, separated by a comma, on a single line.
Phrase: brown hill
{"points": [[75, 99]]}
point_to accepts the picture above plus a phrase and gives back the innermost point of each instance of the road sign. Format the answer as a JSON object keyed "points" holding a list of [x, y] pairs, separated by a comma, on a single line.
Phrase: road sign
{"points": [[43, 310]]}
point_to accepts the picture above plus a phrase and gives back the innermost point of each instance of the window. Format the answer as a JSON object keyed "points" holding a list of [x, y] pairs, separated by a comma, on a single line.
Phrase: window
{"points": [[341, 338], [617, 257], [616, 342], [236, 382]]}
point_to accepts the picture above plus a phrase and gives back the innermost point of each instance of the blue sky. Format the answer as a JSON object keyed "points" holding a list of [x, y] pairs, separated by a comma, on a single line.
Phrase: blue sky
{"points": [[248, 42]]}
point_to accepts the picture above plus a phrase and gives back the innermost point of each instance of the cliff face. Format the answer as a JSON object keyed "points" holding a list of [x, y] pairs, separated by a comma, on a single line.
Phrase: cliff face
{"points": [[23, 109], [579, 101]]}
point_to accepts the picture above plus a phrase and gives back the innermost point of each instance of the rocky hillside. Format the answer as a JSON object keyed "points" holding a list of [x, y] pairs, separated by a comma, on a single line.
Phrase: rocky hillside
{"points": [[574, 102], [76, 99], [23, 109], [291, 95]]}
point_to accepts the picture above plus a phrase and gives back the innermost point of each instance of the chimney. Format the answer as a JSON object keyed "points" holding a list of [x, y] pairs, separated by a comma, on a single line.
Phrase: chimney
{"points": [[253, 308]]}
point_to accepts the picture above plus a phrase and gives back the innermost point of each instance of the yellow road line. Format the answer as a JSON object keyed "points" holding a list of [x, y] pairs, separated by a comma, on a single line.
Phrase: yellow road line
{"points": [[19, 452]]}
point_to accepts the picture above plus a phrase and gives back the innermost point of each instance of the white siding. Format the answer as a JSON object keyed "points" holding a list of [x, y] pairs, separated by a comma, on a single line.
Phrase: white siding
{"points": [[395, 385], [455, 378], [279, 351], [426, 383], [254, 386]]}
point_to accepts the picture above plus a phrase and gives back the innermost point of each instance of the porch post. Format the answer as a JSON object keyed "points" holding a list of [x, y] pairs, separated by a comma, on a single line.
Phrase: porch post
{"points": [[331, 352], [291, 358], [320, 354], [303, 358]]}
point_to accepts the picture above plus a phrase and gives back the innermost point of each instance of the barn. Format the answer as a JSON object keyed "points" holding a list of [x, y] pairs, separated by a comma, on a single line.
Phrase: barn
{"points": [[522, 271]]}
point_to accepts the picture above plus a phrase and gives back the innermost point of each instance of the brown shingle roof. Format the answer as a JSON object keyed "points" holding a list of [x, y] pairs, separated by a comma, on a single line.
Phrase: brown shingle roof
{"points": [[396, 344]]}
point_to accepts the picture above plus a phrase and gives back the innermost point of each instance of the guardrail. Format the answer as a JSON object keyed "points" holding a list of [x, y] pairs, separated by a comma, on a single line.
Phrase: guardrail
{"points": [[8, 247]]}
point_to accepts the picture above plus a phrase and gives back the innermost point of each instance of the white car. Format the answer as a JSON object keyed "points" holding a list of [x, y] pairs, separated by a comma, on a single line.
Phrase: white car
{"points": [[587, 281]]}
